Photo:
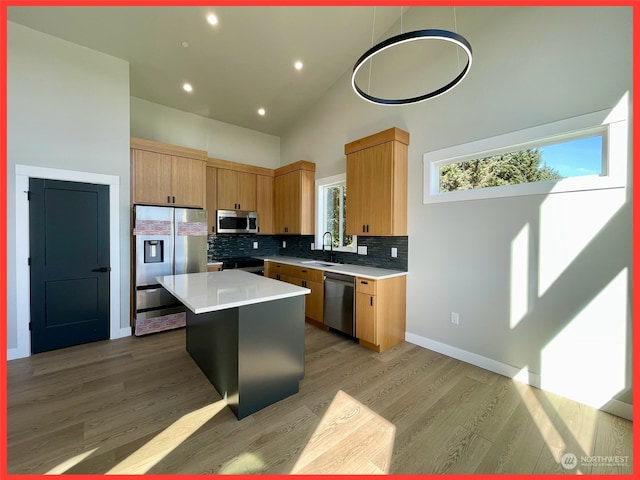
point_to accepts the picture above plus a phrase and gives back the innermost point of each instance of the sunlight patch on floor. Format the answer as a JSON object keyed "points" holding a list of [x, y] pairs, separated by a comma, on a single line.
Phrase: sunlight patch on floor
{"points": [[244, 463], [350, 439], [70, 463], [143, 459]]}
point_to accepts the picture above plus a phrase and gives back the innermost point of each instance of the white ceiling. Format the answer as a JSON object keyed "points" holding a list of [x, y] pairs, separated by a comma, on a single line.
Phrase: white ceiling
{"points": [[243, 63]]}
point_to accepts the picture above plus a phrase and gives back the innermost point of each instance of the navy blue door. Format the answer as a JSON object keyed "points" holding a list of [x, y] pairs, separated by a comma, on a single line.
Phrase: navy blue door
{"points": [[69, 255]]}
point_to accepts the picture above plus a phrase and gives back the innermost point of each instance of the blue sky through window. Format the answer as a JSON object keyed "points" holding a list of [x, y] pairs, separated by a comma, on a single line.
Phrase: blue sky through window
{"points": [[575, 158]]}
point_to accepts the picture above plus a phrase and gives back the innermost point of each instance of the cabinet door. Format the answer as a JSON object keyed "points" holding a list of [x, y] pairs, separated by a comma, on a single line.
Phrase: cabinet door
{"points": [[236, 190], [247, 191], [227, 189], [188, 182], [314, 302], [370, 191], [151, 177], [264, 196], [287, 203], [212, 198], [379, 184], [366, 317]]}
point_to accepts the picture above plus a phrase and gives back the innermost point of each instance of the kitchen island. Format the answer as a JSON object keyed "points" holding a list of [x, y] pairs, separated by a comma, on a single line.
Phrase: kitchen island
{"points": [[245, 332]]}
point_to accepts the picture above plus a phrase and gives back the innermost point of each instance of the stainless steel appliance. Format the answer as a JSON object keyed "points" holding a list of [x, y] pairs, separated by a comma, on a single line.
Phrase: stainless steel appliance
{"points": [[248, 264], [236, 221], [168, 241], [339, 302]]}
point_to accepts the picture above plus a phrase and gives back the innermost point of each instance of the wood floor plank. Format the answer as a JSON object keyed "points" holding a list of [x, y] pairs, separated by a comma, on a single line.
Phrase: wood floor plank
{"points": [[141, 403]]}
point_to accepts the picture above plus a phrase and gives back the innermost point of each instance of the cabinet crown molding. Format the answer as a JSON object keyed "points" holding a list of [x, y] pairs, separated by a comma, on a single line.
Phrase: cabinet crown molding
{"points": [[384, 136], [158, 147], [292, 167]]}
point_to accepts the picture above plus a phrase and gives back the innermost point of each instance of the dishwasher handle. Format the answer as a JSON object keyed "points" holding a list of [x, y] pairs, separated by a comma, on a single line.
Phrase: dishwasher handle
{"points": [[342, 279]]}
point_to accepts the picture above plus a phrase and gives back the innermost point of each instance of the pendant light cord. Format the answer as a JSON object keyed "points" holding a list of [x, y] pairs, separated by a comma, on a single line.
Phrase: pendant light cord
{"points": [[455, 29], [373, 27]]}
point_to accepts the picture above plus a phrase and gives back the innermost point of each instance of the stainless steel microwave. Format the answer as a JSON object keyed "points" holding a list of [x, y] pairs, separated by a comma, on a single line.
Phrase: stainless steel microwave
{"points": [[236, 221]]}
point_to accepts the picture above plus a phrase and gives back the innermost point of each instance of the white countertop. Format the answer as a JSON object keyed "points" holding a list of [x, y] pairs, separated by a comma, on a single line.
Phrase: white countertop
{"points": [[346, 269], [212, 291]]}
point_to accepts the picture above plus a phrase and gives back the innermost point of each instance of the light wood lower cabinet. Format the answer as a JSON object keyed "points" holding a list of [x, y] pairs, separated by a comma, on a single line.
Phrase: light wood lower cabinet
{"points": [[214, 268], [310, 278], [381, 312]]}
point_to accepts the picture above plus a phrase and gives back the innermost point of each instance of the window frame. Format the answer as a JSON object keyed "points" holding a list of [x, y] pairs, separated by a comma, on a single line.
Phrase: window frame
{"points": [[321, 184], [611, 123]]}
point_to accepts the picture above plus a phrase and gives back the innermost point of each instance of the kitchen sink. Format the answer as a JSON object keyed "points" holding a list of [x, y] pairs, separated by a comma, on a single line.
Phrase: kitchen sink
{"points": [[318, 262]]}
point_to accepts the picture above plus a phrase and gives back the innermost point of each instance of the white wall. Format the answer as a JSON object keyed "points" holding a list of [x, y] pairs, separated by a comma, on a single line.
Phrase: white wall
{"points": [[531, 66], [67, 108], [221, 140]]}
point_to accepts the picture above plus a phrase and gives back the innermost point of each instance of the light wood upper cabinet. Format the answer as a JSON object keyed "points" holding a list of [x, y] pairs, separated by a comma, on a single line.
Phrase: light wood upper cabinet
{"points": [[377, 184], [151, 177], [167, 175], [212, 198], [189, 181], [236, 190], [264, 198], [294, 199]]}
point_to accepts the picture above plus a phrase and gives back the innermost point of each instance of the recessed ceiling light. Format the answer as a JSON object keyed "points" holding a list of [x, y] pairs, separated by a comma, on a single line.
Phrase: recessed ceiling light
{"points": [[185, 44], [262, 112], [187, 87], [212, 19], [298, 65]]}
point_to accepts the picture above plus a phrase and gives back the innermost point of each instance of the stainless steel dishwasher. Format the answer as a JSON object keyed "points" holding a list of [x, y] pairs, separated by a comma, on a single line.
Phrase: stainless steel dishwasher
{"points": [[339, 304]]}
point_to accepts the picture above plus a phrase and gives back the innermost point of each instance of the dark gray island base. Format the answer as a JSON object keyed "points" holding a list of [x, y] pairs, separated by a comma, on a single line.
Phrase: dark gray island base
{"points": [[252, 354]]}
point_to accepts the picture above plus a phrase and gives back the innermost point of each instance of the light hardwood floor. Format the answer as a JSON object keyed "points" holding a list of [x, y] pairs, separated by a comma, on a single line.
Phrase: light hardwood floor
{"points": [[141, 405]]}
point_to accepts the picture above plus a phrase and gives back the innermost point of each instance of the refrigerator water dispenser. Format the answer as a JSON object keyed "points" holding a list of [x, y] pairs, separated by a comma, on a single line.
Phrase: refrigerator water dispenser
{"points": [[153, 251]]}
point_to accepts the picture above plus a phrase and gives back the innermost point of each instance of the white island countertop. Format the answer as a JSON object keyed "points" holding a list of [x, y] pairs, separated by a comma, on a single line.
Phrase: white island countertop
{"points": [[212, 291]]}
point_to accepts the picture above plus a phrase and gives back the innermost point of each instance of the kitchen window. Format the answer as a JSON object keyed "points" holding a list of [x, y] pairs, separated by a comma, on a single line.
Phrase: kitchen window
{"points": [[587, 152], [331, 214]]}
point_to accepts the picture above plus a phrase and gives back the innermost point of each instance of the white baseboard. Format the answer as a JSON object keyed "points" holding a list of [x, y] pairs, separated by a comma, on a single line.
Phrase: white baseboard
{"points": [[615, 407], [15, 353], [124, 332]]}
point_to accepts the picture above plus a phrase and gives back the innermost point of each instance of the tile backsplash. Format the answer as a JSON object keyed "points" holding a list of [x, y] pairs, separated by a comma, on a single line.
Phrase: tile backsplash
{"points": [[378, 249]]}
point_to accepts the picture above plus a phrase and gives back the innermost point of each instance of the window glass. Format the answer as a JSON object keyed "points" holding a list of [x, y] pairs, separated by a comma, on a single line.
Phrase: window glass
{"points": [[553, 161], [331, 216]]}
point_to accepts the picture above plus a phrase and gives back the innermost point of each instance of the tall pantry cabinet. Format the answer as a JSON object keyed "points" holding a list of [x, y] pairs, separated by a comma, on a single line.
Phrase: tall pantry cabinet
{"points": [[377, 184]]}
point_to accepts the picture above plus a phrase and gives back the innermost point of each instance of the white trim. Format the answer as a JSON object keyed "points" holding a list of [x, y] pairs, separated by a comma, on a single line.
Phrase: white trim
{"points": [[614, 122], [615, 407], [23, 309]]}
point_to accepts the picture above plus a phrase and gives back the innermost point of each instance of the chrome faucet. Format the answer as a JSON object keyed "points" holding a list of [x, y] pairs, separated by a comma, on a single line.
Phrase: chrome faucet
{"points": [[330, 244]]}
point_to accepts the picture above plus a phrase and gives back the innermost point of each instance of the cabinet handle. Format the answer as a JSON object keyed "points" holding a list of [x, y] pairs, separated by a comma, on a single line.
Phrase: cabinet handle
{"points": [[286, 229], [174, 199], [363, 282], [277, 266], [277, 276], [371, 301], [363, 228], [304, 271], [168, 199], [304, 283], [367, 228]]}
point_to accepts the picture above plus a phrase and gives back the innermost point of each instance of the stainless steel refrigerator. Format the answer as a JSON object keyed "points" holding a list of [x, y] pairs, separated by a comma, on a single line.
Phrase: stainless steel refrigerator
{"points": [[168, 241]]}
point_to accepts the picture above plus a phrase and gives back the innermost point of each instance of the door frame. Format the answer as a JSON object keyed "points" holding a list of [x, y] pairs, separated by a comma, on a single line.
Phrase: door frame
{"points": [[23, 276]]}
